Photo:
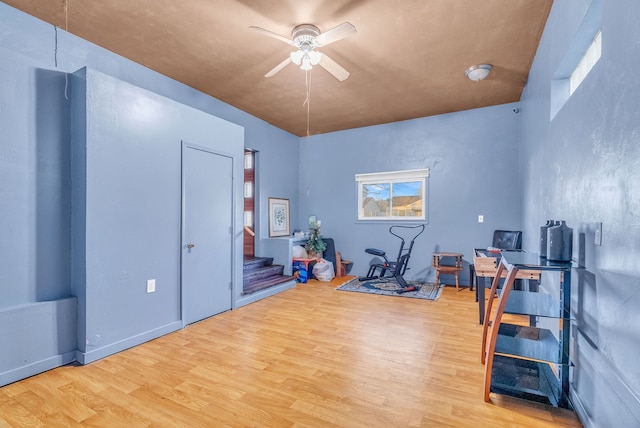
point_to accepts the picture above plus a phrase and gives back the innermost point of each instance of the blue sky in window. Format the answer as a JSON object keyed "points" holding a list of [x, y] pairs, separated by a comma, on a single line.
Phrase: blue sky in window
{"points": [[381, 191], [376, 191], [407, 189]]}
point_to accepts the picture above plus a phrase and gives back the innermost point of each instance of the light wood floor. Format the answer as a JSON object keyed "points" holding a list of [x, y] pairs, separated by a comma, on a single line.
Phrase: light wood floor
{"points": [[308, 357]]}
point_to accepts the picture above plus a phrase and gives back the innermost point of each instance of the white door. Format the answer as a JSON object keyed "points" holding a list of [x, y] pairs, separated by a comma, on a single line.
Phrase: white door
{"points": [[207, 202]]}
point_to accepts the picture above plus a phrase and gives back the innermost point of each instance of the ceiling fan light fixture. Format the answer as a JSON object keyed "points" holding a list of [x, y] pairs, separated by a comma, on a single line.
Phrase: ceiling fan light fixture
{"points": [[296, 57], [314, 57], [306, 63], [478, 72], [306, 60]]}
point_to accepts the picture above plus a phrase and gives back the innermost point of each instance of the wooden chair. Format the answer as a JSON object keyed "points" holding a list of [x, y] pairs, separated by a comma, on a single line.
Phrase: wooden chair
{"points": [[436, 263]]}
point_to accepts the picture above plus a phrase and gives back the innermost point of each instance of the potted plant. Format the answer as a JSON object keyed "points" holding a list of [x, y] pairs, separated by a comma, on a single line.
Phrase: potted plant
{"points": [[315, 245]]}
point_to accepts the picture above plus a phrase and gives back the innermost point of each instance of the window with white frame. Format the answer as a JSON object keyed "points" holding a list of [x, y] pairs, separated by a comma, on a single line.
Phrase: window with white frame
{"points": [[395, 195], [248, 160]]}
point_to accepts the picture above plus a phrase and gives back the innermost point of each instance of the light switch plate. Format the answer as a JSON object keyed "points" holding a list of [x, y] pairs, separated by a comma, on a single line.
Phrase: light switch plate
{"points": [[480, 218], [598, 234], [151, 285]]}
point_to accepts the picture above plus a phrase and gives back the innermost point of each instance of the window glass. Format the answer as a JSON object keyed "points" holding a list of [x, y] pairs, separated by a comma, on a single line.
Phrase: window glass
{"points": [[248, 160], [399, 195], [248, 218], [588, 61], [407, 199], [375, 199]]}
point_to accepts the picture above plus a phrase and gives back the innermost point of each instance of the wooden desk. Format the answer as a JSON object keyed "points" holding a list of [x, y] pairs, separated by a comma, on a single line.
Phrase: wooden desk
{"points": [[436, 263], [486, 266]]}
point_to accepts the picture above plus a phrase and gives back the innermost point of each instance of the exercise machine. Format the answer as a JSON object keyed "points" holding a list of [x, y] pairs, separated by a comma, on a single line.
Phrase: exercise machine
{"points": [[396, 269]]}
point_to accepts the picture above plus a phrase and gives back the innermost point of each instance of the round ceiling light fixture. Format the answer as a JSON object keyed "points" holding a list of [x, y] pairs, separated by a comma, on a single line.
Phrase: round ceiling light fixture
{"points": [[478, 72]]}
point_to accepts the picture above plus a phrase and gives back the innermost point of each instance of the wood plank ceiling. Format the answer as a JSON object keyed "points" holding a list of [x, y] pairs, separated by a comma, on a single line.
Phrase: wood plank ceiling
{"points": [[407, 59]]}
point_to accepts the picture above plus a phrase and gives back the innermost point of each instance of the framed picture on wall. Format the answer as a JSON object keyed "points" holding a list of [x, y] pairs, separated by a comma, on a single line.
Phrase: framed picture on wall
{"points": [[278, 217]]}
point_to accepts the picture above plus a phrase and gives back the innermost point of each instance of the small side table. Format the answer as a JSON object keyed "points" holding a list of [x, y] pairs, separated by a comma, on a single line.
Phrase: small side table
{"points": [[436, 263]]}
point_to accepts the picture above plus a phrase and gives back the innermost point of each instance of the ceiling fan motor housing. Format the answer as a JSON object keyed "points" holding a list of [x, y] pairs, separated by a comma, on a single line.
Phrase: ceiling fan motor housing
{"points": [[305, 34]]}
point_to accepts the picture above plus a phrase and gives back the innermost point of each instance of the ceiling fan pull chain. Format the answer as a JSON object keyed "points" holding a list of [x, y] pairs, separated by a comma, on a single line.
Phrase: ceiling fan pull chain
{"points": [[308, 100]]}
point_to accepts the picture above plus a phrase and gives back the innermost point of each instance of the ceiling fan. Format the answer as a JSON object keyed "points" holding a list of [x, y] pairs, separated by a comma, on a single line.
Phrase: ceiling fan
{"points": [[307, 37]]}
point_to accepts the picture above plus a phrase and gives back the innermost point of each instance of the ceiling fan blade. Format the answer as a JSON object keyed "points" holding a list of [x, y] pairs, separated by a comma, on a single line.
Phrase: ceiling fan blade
{"points": [[272, 34], [334, 68], [278, 67], [340, 32]]}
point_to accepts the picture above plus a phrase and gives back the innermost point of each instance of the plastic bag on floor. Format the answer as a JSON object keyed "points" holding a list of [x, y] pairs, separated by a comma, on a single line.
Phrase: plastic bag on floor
{"points": [[323, 270]]}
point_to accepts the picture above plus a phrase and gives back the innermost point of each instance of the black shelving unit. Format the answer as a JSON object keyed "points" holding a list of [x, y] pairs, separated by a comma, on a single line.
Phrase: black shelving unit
{"points": [[529, 360]]}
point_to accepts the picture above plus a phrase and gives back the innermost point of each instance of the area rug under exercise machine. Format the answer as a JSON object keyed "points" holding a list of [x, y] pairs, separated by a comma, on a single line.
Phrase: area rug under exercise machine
{"points": [[389, 287]]}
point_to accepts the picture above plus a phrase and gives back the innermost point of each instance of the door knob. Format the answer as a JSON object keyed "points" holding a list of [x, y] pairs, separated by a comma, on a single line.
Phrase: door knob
{"points": [[190, 245]]}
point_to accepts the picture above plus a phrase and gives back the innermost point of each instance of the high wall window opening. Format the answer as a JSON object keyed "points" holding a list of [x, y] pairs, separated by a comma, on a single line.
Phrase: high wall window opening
{"points": [[579, 61], [396, 195], [587, 62]]}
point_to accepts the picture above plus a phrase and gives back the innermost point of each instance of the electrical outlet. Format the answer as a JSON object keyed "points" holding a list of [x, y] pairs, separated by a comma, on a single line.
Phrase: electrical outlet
{"points": [[598, 234], [151, 285], [480, 218]]}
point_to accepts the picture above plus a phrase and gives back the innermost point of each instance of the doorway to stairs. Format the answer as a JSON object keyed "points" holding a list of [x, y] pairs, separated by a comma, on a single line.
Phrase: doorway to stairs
{"points": [[258, 272], [249, 246]]}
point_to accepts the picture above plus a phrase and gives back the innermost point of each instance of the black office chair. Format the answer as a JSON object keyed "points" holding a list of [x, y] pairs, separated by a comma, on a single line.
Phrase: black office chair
{"points": [[507, 239], [502, 240]]}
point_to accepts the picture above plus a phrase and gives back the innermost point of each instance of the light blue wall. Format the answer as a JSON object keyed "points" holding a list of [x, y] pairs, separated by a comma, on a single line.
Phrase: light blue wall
{"points": [[35, 154], [127, 207], [473, 160], [584, 167], [37, 337], [34, 183], [35, 193]]}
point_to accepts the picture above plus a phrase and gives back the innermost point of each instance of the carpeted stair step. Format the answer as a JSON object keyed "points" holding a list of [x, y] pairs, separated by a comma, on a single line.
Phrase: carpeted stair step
{"points": [[253, 263], [266, 283], [260, 273]]}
